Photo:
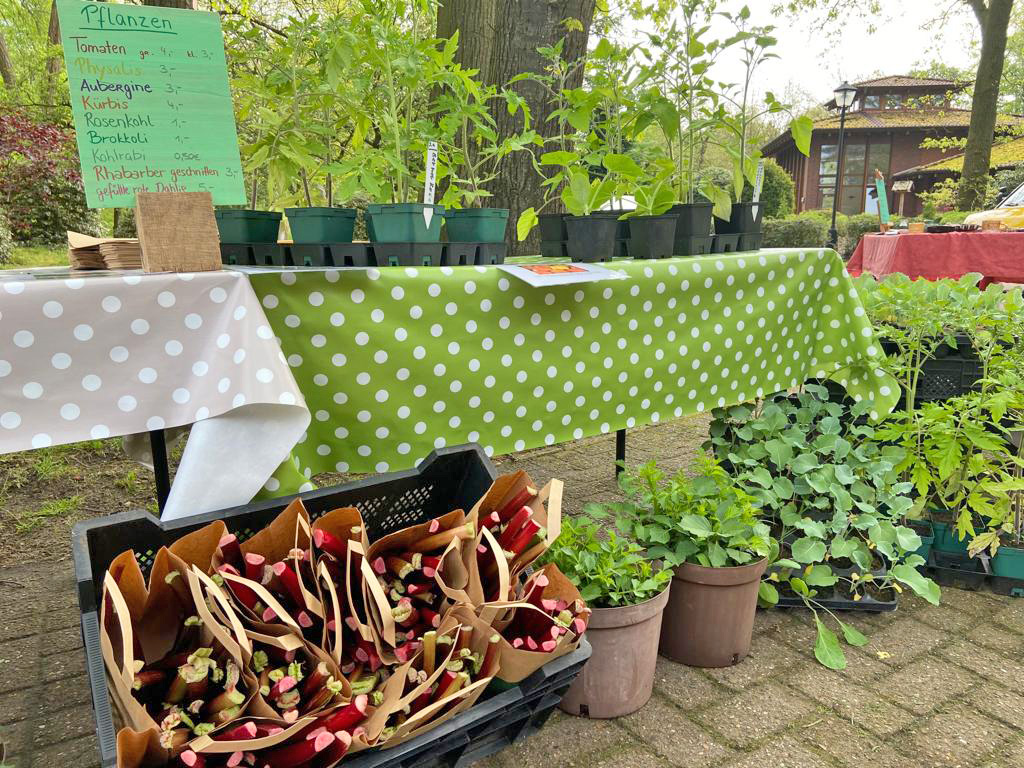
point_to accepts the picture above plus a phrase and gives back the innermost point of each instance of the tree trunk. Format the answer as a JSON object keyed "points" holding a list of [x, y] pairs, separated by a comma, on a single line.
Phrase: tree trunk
{"points": [[993, 18], [526, 25], [6, 65], [475, 22]]}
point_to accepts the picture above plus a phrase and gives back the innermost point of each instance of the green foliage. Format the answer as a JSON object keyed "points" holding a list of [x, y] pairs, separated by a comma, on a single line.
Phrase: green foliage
{"points": [[777, 191], [802, 230], [29, 520], [608, 570], [852, 229], [954, 217], [1009, 179], [959, 455], [830, 487], [706, 519]]}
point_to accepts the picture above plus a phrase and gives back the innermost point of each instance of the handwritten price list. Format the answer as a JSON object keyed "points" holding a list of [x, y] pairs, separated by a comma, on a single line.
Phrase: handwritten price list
{"points": [[149, 93]]}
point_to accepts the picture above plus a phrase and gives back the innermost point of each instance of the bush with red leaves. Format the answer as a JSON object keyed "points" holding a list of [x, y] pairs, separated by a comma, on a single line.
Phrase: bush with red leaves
{"points": [[40, 181]]}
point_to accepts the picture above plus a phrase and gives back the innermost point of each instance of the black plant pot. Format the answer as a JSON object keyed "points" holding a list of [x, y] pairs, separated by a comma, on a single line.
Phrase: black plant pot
{"points": [[742, 221], [591, 238], [694, 219], [652, 237], [552, 227]]}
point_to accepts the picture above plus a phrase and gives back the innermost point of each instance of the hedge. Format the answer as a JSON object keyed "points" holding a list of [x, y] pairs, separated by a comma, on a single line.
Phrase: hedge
{"points": [[777, 192]]}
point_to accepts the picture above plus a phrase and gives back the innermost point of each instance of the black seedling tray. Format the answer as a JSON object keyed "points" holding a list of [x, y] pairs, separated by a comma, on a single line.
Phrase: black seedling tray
{"points": [[948, 373], [750, 241], [362, 254], [724, 243], [449, 478], [831, 599], [960, 570], [694, 245]]}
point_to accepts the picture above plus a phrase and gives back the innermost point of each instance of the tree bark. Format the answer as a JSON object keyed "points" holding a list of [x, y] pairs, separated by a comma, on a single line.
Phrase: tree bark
{"points": [[6, 65], [993, 19], [526, 25], [475, 22]]}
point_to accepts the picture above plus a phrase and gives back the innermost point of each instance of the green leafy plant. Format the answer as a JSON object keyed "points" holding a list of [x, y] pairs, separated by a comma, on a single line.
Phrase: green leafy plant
{"points": [[831, 492], [608, 570], [651, 184], [707, 519]]}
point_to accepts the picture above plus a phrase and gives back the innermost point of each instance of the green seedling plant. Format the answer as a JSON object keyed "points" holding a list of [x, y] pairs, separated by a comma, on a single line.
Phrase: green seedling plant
{"points": [[609, 570], [831, 491], [471, 151], [650, 184]]}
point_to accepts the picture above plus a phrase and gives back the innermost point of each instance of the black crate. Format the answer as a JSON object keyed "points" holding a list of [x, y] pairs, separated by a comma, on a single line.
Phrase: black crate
{"points": [[459, 254], [750, 241], [498, 719], [447, 479], [693, 245], [491, 253], [408, 254], [948, 373], [553, 249], [957, 569]]}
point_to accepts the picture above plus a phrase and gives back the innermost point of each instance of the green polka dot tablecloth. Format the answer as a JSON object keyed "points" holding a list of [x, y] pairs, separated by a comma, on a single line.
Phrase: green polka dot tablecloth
{"points": [[395, 362]]}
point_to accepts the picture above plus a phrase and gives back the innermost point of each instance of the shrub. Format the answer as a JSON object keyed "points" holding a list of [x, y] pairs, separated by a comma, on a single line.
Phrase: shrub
{"points": [[852, 229], [803, 230], [1008, 180], [6, 241], [955, 217], [40, 181], [777, 191]]}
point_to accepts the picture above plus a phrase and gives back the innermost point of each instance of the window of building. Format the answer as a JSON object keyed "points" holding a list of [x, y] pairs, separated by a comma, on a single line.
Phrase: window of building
{"points": [[872, 101], [894, 101], [860, 160]]}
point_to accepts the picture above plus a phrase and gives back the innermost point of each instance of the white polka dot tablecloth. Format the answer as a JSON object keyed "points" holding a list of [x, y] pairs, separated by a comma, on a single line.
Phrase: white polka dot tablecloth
{"points": [[105, 355], [395, 362]]}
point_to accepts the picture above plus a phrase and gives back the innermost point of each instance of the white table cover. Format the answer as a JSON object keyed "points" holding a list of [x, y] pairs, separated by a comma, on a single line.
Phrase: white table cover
{"points": [[103, 355]]}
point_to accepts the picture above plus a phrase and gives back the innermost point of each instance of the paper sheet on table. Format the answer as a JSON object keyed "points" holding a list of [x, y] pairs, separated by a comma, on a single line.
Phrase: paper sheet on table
{"points": [[550, 275]]}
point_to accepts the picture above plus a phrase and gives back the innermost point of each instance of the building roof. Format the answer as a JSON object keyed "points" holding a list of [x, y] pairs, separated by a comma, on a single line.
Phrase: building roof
{"points": [[905, 81], [894, 119], [1007, 154]]}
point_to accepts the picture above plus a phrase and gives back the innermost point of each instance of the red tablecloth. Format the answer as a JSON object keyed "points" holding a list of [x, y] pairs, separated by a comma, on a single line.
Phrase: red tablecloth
{"points": [[999, 256]]}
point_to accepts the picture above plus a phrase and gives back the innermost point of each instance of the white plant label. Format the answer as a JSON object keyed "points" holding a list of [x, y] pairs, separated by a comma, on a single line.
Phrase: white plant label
{"points": [[430, 182], [758, 183]]}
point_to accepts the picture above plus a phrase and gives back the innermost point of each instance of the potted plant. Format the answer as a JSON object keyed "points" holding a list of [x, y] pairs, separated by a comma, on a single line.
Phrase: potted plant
{"points": [[302, 105], [829, 487], [706, 529], [628, 597], [394, 43], [472, 153], [687, 108], [755, 44], [652, 226]]}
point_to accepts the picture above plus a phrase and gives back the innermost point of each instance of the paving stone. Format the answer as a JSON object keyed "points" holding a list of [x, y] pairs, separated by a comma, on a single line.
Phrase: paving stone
{"points": [[755, 714], [850, 747], [1011, 615], [998, 639], [634, 757], [948, 618], [782, 753], [684, 686], [80, 753], [566, 740], [61, 725], [768, 658], [64, 641], [999, 704], [904, 641], [767, 619], [1013, 754], [31, 703], [667, 731], [851, 702], [985, 662], [926, 684], [979, 603], [958, 738]]}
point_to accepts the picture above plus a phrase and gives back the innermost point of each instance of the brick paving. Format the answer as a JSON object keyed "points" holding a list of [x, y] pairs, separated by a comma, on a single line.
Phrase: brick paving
{"points": [[935, 688]]}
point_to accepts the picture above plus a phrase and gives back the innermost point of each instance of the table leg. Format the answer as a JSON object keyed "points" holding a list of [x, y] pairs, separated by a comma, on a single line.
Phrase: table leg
{"points": [[620, 450], [158, 446]]}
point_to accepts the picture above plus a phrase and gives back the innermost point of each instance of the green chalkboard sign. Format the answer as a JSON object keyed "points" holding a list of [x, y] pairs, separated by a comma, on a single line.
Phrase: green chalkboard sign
{"points": [[149, 93]]}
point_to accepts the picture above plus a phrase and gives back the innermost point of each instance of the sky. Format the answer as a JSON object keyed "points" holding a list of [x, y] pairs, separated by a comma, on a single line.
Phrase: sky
{"points": [[817, 64]]}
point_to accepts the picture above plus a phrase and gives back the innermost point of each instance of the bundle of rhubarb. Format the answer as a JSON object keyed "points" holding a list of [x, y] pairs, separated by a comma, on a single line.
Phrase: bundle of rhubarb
{"points": [[306, 642]]}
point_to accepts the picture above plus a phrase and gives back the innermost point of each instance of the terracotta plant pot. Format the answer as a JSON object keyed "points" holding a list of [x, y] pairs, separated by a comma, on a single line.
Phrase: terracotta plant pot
{"points": [[710, 614], [620, 674]]}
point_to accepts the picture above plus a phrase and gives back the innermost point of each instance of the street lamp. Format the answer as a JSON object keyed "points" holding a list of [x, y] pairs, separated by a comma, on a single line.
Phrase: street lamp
{"points": [[845, 95]]}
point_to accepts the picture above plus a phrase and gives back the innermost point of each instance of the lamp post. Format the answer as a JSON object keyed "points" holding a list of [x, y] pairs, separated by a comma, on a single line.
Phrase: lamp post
{"points": [[845, 95]]}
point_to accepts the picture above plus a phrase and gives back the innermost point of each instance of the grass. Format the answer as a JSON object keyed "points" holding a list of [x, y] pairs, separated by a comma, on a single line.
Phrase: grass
{"points": [[26, 257], [31, 519], [128, 481], [49, 465]]}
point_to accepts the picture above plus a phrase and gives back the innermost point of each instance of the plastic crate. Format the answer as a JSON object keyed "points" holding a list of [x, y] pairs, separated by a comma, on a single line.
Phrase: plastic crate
{"points": [[948, 373], [447, 479]]}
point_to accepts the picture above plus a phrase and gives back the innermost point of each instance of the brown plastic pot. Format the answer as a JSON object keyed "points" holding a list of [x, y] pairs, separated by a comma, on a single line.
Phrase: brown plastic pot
{"points": [[710, 614], [620, 674]]}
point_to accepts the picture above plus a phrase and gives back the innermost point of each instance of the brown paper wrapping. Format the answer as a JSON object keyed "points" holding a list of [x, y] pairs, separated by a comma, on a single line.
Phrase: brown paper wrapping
{"points": [[140, 750]]}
